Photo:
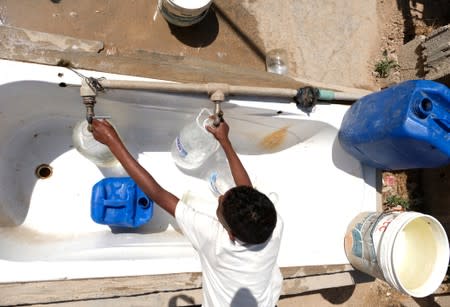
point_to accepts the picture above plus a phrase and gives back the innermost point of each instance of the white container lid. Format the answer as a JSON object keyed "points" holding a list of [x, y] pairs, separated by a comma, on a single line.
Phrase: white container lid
{"points": [[191, 4]]}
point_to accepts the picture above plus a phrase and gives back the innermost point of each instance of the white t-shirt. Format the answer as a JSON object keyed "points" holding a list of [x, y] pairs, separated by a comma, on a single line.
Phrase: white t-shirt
{"points": [[233, 274]]}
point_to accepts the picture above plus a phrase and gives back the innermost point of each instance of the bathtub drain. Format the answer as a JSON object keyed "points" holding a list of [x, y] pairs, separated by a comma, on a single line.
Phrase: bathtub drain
{"points": [[43, 171]]}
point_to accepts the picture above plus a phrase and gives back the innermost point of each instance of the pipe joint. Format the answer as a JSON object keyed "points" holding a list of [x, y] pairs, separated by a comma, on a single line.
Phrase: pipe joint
{"points": [[218, 88], [217, 97], [87, 89]]}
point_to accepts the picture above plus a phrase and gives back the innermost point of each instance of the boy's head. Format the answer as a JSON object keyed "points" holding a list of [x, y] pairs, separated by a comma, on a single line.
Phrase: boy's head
{"points": [[248, 214]]}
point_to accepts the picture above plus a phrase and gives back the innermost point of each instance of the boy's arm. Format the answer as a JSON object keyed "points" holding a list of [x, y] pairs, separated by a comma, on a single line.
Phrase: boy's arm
{"points": [[238, 171], [105, 133]]}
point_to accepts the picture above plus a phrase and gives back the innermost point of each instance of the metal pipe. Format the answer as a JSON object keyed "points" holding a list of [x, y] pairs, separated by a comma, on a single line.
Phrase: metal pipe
{"points": [[197, 88], [341, 96], [89, 102], [305, 98], [218, 114], [348, 96]]}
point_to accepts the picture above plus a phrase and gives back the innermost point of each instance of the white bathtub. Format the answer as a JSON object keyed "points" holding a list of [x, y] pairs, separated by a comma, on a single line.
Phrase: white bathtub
{"points": [[46, 231]]}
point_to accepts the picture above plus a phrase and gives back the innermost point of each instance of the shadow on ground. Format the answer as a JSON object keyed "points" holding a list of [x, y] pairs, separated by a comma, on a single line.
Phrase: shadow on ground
{"points": [[422, 16]]}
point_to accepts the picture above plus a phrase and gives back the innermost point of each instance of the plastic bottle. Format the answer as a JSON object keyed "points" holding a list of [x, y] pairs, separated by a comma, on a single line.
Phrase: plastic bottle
{"points": [[84, 142], [402, 127], [194, 144], [219, 177]]}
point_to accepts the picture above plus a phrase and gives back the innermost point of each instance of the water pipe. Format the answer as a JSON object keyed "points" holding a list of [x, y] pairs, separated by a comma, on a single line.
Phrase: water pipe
{"points": [[305, 98], [199, 88], [308, 96], [333, 95], [216, 91]]}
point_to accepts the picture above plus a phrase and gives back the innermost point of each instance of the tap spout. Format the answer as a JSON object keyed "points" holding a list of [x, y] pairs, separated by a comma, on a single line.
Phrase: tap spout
{"points": [[218, 118], [217, 97], [88, 94], [89, 102]]}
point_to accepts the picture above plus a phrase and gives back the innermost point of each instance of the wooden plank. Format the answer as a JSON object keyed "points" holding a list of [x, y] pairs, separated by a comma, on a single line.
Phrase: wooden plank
{"points": [[11, 37], [93, 289], [296, 280], [44, 48], [152, 65], [189, 297], [437, 54]]}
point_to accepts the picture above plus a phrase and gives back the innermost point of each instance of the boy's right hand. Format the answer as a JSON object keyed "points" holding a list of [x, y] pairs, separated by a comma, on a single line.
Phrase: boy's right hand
{"points": [[104, 132], [220, 132]]}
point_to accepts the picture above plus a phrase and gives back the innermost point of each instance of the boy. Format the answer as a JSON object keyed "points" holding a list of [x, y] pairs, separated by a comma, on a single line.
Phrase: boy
{"points": [[238, 250]]}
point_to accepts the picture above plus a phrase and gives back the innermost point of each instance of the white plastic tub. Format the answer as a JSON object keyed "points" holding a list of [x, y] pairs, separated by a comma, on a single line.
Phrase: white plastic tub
{"points": [[45, 227], [184, 13]]}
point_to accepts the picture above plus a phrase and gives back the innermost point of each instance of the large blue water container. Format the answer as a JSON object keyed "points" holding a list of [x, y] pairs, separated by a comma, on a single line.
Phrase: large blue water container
{"points": [[402, 127], [118, 201]]}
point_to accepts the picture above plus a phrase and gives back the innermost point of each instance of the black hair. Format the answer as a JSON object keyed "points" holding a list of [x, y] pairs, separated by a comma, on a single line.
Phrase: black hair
{"points": [[250, 214]]}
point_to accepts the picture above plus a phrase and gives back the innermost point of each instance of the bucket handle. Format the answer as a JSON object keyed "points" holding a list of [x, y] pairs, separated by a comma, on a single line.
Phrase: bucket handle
{"points": [[205, 122]]}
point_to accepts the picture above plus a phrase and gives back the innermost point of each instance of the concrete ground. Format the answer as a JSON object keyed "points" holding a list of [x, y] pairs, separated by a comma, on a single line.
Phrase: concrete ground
{"points": [[326, 41]]}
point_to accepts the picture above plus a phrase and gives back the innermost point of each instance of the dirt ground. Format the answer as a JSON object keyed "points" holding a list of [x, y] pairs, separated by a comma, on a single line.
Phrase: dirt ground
{"points": [[399, 22], [373, 294], [421, 190], [418, 190]]}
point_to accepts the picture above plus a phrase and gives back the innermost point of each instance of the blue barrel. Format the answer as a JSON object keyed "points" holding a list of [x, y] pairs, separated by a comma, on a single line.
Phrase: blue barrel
{"points": [[402, 127], [118, 201]]}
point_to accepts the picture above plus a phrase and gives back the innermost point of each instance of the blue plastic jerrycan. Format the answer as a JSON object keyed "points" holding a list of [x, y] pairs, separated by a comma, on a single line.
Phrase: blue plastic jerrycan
{"points": [[118, 201], [402, 127]]}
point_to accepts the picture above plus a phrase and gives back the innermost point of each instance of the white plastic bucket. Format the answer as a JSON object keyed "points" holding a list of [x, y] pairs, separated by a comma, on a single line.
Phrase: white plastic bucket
{"points": [[184, 13], [408, 250]]}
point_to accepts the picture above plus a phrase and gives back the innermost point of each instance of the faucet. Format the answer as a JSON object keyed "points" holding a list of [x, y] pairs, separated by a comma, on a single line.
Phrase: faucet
{"points": [[88, 92], [217, 97]]}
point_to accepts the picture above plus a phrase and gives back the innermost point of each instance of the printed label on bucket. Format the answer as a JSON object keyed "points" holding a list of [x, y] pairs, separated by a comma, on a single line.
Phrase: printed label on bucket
{"points": [[362, 245], [366, 236], [180, 148]]}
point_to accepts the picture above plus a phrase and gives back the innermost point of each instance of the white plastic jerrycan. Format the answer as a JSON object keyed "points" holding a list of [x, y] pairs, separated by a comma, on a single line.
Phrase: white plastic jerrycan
{"points": [[194, 145]]}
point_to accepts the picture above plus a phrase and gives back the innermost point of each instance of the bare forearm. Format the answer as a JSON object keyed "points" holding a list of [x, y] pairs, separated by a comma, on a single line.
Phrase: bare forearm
{"points": [[238, 171], [143, 179]]}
